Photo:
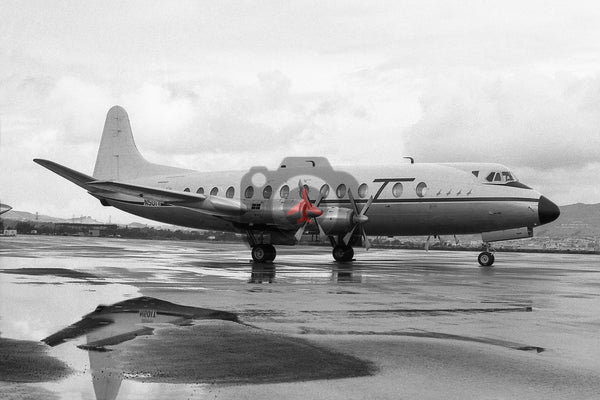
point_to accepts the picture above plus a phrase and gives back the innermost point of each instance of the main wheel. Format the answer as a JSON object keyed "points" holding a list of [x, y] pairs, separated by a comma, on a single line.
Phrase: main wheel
{"points": [[263, 253], [271, 252], [486, 259], [343, 253]]}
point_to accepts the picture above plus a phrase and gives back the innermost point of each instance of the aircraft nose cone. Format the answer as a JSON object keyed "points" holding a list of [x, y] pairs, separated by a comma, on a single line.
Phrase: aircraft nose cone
{"points": [[547, 210]]}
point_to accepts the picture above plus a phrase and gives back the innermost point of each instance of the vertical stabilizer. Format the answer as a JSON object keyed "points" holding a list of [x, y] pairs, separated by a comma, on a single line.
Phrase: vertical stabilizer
{"points": [[118, 157]]}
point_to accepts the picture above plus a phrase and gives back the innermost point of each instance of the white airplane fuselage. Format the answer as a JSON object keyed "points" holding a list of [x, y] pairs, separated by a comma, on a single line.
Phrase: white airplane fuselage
{"points": [[274, 206], [455, 201]]}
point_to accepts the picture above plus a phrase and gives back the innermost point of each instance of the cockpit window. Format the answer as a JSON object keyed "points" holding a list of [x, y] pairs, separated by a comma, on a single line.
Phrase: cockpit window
{"points": [[503, 177], [507, 177]]}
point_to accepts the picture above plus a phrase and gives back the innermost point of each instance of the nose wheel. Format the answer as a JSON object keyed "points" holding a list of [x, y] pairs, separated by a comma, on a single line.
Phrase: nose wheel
{"points": [[262, 253], [486, 259]]}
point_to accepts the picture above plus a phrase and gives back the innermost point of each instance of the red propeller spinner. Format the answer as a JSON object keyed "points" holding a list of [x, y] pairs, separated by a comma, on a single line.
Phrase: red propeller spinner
{"points": [[308, 210]]}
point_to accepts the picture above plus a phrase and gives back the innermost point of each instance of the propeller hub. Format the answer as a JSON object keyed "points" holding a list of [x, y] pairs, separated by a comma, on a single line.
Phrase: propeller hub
{"points": [[360, 219]]}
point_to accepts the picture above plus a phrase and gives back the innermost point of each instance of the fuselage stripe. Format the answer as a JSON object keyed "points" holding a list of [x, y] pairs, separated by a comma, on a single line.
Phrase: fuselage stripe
{"points": [[424, 200]]}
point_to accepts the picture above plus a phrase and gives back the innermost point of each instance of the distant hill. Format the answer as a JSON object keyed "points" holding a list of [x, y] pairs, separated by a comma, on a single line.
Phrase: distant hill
{"points": [[27, 216], [576, 221]]}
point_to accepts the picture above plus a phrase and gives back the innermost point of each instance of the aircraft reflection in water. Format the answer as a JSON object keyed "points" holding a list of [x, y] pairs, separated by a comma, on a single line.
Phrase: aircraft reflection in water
{"points": [[113, 324], [196, 346], [262, 273], [276, 207], [344, 273], [341, 273]]}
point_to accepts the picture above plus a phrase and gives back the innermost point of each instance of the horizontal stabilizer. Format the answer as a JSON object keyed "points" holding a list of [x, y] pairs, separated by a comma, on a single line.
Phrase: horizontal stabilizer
{"points": [[213, 205], [76, 177]]}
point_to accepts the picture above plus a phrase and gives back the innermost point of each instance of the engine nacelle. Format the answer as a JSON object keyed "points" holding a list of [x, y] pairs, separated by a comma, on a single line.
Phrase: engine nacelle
{"points": [[336, 220]]}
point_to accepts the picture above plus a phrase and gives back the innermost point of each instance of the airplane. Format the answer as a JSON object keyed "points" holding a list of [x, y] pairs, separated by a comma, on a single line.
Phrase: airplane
{"points": [[4, 208], [275, 206]]}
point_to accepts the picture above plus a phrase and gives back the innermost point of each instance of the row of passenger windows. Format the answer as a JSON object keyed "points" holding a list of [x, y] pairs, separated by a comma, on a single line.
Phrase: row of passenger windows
{"points": [[340, 191]]}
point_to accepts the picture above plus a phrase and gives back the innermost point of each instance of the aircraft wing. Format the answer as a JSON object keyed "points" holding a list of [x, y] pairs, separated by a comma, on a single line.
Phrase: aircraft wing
{"points": [[209, 204], [212, 205], [77, 329]]}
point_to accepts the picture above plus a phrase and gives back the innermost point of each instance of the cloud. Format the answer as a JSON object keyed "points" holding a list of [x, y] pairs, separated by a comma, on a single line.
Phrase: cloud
{"points": [[522, 119]]}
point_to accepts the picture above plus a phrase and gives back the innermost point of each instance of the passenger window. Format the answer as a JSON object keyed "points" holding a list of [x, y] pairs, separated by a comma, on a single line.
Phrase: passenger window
{"points": [[284, 192], [200, 190], [214, 191], [340, 191], [362, 190], [249, 192], [186, 189], [267, 191], [230, 192], [397, 189], [421, 189], [324, 191]]}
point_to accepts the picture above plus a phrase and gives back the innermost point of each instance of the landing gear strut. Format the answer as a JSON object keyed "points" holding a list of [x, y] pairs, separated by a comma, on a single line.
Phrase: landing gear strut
{"points": [[343, 253], [486, 258], [262, 253]]}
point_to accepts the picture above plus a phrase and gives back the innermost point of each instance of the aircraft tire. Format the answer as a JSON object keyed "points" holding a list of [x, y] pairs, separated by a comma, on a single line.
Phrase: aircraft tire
{"points": [[262, 253], [486, 259], [271, 252], [259, 253], [343, 253]]}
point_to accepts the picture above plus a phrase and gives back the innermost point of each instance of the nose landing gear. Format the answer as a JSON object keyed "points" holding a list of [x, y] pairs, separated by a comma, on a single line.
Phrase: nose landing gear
{"points": [[486, 258]]}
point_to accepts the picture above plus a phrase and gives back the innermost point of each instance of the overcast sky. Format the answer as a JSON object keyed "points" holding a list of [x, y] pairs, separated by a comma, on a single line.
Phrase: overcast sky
{"points": [[221, 85]]}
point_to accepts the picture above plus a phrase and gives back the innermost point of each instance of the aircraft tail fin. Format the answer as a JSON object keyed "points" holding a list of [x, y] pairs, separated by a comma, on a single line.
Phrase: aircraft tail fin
{"points": [[118, 157]]}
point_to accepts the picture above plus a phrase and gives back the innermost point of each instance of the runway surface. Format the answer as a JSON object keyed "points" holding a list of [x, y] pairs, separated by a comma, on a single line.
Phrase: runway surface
{"points": [[198, 320]]}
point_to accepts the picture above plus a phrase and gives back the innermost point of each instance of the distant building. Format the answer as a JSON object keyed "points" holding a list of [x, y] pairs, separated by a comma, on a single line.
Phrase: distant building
{"points": [[9, 232], [77, 229]]}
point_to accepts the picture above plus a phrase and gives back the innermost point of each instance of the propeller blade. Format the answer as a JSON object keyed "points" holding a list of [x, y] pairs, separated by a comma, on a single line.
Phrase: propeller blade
{"points": [[348, 236], [366, 207], [322, 234], [366, 242], [427, 243], [353, 202], [319, 199], [300, 232]]}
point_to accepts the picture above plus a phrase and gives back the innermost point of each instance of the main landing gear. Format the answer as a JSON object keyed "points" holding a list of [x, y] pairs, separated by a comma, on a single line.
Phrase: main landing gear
{"points": [[486, 258], [262, 253], [343, 252]]}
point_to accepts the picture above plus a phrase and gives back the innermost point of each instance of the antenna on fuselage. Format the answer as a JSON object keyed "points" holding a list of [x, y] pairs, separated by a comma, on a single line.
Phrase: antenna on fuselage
{"points": [[412, 160]]}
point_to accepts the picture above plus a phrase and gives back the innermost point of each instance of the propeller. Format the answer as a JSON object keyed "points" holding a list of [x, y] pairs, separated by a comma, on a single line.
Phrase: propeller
{"points": [[359, 219], [308, 210], [436, 237]]}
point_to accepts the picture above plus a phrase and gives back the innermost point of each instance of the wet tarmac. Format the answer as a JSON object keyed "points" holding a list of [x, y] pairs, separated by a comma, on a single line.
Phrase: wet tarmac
{"points": [[127, 319]]}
